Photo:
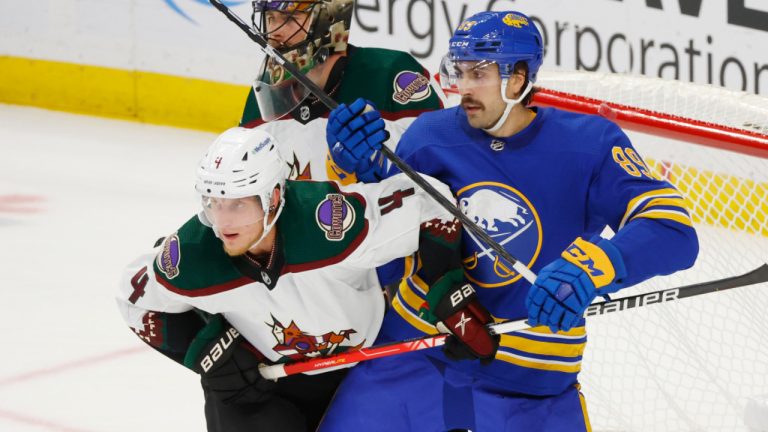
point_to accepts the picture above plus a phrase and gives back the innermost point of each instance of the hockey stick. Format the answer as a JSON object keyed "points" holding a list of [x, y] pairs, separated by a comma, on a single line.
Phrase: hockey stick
{"points": [[756, 276], [407, 170]]}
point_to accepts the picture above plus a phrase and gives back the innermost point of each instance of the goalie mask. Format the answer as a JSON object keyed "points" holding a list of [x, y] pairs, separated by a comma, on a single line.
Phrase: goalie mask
{"points": [[484, 50], [239, 179], [305, 33]]}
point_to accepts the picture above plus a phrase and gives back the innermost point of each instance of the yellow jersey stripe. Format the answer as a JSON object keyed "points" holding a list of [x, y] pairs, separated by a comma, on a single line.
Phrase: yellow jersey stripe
{"points": [[544, 332], [638, 200], [411, 318], [584, 411], [411, 298], [674, 202], [542, 348], [548, 365], [419, 284], [666, 214], [408, 266]]}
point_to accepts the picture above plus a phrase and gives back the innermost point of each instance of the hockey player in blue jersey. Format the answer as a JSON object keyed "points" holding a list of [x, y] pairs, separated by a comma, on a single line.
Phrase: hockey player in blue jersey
{"points": [[544, 183]]}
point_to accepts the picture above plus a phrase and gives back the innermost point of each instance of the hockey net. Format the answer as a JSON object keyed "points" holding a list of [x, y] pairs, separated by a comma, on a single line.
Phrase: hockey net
{"points": [[700, 364]]}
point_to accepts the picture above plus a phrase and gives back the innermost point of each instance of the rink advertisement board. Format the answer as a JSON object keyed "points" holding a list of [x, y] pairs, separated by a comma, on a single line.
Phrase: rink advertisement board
{"points": [[139, 47]]}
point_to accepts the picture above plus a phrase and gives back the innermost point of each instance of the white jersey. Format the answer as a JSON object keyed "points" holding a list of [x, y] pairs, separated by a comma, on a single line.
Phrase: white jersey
{"points": [[319, 295]]}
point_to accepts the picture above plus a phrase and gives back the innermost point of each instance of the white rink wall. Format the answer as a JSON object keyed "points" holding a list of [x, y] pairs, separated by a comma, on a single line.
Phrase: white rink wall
{"points": [[698, 41], [164, 58]]}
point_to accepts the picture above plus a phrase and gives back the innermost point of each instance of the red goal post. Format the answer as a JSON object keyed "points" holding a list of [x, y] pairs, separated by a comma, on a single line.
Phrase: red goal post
{"points": [[704, 115]]}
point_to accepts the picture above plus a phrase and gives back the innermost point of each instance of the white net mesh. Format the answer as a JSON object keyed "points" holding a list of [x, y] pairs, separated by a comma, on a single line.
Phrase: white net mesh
{"points": [[694, 101], [696, 364]]}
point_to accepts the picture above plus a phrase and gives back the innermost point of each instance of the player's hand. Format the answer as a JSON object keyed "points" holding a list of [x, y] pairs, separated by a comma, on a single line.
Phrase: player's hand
{"points": [[565, 287], [463, 317], [354, 134], [227, 363]]}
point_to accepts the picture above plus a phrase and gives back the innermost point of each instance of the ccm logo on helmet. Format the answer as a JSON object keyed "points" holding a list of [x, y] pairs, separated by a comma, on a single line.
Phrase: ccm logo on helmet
{"points": [[459, 44], [215, 353]]}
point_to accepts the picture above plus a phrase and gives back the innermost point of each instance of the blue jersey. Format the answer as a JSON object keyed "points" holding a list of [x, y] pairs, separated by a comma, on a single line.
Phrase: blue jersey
{"points": [[564, 176]]}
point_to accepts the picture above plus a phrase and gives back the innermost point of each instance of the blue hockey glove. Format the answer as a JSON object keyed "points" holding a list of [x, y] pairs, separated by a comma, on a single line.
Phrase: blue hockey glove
{"points": [[228, 364], [565, 287], [354, 137]]}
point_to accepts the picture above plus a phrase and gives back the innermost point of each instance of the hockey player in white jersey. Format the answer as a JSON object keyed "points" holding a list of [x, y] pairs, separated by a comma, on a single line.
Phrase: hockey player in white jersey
{"points": [[276, 271]]}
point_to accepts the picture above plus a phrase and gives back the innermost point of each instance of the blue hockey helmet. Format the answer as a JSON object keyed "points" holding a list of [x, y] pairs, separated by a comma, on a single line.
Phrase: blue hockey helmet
{"points": [[504, 38]]}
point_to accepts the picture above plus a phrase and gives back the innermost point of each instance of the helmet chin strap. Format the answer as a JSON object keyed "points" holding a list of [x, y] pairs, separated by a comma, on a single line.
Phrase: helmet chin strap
{"points": [[510, 103], [269, 225]]}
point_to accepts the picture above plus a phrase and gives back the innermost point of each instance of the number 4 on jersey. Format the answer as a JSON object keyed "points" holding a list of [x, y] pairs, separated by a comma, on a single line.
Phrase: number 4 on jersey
{"points": [[394, 201], [138, 282]]}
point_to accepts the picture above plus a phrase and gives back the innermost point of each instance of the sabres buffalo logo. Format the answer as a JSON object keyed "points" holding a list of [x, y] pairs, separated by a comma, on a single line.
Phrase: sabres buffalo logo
{"points": [[515, 20], [510, 219]]}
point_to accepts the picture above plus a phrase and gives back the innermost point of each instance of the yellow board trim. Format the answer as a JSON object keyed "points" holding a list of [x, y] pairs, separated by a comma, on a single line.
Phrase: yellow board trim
{"points": [[124, 94], [719, 199]]}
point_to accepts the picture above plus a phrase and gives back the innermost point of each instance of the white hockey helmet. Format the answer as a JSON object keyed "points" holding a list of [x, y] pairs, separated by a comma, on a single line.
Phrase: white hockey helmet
{"points": [[242, 163]]}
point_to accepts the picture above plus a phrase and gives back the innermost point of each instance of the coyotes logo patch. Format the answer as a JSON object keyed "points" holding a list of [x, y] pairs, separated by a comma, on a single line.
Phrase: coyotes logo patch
{"points": [[295, 344], [169, 259], [410, 87]]}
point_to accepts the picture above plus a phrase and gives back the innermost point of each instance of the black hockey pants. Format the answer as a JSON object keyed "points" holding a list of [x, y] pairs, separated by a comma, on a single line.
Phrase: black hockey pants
{"points": [[295, 404]]}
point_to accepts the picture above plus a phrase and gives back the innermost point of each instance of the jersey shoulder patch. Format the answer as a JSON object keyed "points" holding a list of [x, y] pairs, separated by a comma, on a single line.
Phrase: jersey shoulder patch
{"points": [[320, 225], [192, 262], [402, 83]]}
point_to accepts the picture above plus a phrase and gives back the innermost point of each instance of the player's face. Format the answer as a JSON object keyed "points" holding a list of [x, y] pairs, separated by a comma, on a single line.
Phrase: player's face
{"points": [[286, 29], [479, 86], [240, 222]]}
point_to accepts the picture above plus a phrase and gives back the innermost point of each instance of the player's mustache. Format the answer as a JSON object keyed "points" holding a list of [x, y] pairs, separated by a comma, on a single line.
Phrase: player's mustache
{"points": [[469, 101]]}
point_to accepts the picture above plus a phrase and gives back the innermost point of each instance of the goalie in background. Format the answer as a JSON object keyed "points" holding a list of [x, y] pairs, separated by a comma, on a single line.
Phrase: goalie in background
{"points": [[313, 35], [545, 184], [276, 271]]}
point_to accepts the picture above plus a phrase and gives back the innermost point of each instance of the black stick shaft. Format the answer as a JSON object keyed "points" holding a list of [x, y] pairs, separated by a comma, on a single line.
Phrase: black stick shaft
{"points": [[758, 275]]}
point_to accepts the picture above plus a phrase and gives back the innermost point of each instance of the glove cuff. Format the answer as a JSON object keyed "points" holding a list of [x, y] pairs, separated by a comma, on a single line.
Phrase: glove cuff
{"points": [[437, 292], [614, 254], [602, 262]]}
